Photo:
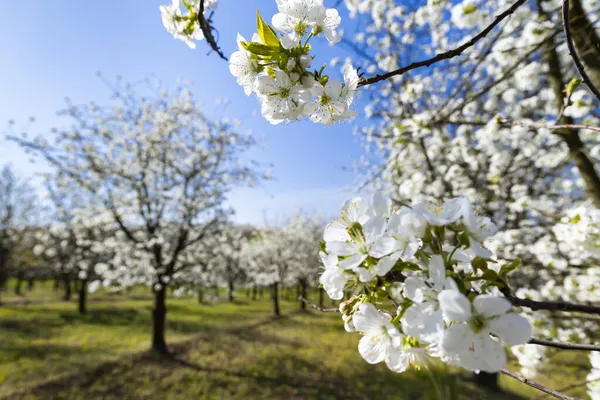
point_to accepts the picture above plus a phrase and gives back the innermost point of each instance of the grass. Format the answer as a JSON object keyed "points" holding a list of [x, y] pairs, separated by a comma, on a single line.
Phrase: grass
{"points": [[222, 351]]}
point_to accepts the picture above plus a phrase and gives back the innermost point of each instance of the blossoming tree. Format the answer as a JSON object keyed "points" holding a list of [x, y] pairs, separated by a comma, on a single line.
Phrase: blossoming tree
{"points": [[161, 170], [17, 210], [510, 125]]}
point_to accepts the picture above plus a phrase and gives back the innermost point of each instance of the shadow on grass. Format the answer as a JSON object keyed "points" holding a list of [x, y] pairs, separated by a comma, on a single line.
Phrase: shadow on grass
{"points": [[17, 351]]}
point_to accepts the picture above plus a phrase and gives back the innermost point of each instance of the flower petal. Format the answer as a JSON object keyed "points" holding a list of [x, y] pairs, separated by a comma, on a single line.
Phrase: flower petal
{"points": [[512, 329], [353, 261], [455, 305], [491, 306]]}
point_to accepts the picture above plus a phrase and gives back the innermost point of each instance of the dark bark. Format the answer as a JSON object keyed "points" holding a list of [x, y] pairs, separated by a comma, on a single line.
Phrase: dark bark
{"points": [[159, 316], [82, 296], [254, 292], [276, 299], [56, 285], [231, 291], [586, 41], [577, 151], [304, 293], [216, 292], [19, 284], [30, 284], [67, 283], [490, 381], [321, 298], [200, 295]]}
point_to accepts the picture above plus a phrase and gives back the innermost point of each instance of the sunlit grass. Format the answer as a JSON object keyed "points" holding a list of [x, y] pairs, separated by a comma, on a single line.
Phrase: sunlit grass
{"points": [[223, 351]]}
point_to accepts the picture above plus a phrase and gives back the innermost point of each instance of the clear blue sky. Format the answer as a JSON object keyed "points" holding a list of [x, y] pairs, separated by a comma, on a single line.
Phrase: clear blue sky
{"points": [[52, 49]]}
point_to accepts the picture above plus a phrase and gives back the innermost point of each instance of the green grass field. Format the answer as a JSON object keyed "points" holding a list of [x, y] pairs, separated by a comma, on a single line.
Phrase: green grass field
{"points": [[222, 351]]}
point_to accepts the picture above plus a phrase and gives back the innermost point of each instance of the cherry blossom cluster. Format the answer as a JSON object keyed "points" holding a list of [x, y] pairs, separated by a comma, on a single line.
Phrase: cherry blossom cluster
{"points": [[432, 262], [276, 66], [185, 27]]}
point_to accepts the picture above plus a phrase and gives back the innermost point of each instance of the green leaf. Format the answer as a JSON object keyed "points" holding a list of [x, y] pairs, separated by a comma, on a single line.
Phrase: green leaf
{"points": [[490, 275], [322, 246], [260, 49], [571, 86], [507, 268], [266, 33], [479, 263]]}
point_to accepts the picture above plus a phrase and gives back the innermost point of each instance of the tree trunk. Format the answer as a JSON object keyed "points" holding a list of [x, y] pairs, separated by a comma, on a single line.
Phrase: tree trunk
{"points": [[261, 292], [67, 283], [577, 150], [159, 314], [276, 299], [254, 292], [19, 284], [303, 293], [30, 284], [82, 297], [200, 295], [216, 292], [585, 40], [321, 298], [489, 381], [231, 291]]}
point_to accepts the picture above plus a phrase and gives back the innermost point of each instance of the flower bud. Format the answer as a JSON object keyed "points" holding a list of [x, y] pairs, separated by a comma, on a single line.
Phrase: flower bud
{"points": [[346, 306], [291, 64], [308, 81], [305, 61]]}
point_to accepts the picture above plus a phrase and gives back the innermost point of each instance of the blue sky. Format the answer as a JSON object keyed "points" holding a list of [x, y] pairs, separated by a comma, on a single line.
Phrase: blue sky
{"points": [[53, 49]]}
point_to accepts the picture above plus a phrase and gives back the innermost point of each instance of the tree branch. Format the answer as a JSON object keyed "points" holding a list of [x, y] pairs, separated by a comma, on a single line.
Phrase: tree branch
{"points": [[448, 54], [552, 305], [537, 386], [316, 307], [573, 52], [565, 346], [207, 30]]}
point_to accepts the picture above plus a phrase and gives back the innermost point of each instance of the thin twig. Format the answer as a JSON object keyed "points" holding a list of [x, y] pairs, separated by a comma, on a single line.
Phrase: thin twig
{"points": [[552, 305], [565, 346], [316, 307], [448, 54], [566, 388], [573, 51], [207, 30], [531, 125], [537, 386]]}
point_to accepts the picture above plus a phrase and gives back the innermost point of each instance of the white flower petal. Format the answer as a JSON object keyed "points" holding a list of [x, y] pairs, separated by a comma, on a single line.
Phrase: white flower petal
{"points": [[455, 305], [512, 329], [491, 306]]}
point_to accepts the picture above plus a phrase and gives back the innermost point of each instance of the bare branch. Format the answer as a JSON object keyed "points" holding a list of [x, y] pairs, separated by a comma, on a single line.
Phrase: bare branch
{"points": [[565, 346], [448, 54], [316, 307], [566, 388], [552, 305], [205, 25], [537, 386], [573, 52]]}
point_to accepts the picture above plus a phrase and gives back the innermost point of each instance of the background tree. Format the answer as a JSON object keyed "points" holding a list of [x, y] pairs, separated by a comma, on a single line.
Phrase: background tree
{"points": [[17, 210], [161, 169]]}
